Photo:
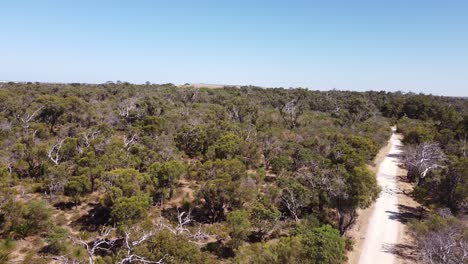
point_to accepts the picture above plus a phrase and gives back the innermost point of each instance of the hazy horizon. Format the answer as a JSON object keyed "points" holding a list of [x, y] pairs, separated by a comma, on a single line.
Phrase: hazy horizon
{"points": [[417, 46]]}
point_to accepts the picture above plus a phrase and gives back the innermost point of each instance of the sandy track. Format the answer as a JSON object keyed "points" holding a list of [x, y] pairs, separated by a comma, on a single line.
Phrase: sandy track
{"points": [[384, 227]]}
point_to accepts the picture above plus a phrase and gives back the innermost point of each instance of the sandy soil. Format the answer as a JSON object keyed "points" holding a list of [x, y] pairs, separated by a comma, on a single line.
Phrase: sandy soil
{"points": [[380, 234], [405, 250], [384, 226], [358, 231]]}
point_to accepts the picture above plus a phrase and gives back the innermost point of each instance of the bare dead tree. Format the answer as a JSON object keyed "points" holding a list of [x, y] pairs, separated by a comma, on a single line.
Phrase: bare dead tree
{"points": [[329, 182], [127, 106], [233, 111], [130, 140], [27, 118], [270, 147], [445, 213], [55, 184], [101, 243], [167, 153], [423, 158], [464, 146], [319, 181], [129, 110], [188, 96], [64, 259], [8, 161], [345, 207], [251, 134], [446, 246], [89, 136], [199, 235], [131, 239], [293, 203], [54, 152], [33, 138], [183, 219], [5, 126], [291, 111], [130, 246]]}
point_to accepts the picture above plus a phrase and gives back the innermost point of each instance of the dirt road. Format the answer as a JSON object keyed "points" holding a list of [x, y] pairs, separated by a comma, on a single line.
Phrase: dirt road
{"points": [[384, 228]]}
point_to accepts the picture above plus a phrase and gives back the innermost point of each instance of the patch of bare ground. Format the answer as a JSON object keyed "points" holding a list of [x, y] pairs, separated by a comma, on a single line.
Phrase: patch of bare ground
{"points": [[405, 250], [183, 192], [24, 248]]}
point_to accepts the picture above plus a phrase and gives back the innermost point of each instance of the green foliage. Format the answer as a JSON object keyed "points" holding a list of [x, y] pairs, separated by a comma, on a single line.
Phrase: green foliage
{"points": [[150, 125], [34, 218], [228, 146], [264, 216], [129, 181], [176, 249], [239, 226], [218, 195], [233, 170], [324, 245], [77, 186], [419, 107], [305, 225], [455, 184], [418, 135], [360, 109], [353, 151], [257, 253], [364, 146], [286, 250], [125, 210], [128, 195], [194, 140], [53, 108], [363, 185], [88, 165], [318, 245], [57, 241], [281, 163], [167, 174], [447, 187]]}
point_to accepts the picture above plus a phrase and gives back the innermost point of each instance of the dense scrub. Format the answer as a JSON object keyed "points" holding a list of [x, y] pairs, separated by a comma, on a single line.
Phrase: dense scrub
{"points": [[125, 173]]}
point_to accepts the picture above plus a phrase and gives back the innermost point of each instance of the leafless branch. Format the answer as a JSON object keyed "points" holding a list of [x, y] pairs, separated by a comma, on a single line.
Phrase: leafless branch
{"points": [[90, 136], [424, 158], [292, 203], [130, 246], [444, 246], [130, 141], [101, 243], [54, 152], [26, 118]]}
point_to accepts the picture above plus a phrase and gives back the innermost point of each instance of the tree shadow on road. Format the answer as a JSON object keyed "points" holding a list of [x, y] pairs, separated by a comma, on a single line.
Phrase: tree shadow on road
{"points": [[398, 156], [406, 213], [408, 253]]}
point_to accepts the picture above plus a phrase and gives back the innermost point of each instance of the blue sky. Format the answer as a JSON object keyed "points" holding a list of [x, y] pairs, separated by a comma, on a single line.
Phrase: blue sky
{"points": [[407, 45]]}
